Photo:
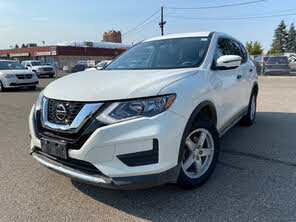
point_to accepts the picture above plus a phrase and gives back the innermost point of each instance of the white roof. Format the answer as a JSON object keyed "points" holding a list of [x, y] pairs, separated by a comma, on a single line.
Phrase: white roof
{"points": [[180, 35], [104, 45]]}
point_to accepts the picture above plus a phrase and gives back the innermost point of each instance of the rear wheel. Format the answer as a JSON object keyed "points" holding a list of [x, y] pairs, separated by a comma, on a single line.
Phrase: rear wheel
{"points": [[2, 89], [51, 75], [199, 154], [250, 117]]}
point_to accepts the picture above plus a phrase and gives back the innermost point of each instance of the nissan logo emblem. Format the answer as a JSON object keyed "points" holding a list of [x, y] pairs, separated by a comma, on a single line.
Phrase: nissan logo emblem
{"points": [[61, 112]]}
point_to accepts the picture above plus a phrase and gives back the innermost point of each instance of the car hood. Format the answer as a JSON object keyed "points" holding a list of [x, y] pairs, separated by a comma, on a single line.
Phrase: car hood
{"points": [[107, 85], [16, 71]]}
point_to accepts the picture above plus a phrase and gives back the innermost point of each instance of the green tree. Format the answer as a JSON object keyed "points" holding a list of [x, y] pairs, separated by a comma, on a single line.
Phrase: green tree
{"points": [[16, 46], [291, 43], [280, 38], [274, 51], [254, 48], [24, 46]]}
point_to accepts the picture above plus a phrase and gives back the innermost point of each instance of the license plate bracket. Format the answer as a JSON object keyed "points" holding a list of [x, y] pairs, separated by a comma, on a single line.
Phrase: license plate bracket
{"points": [[53, 148]]}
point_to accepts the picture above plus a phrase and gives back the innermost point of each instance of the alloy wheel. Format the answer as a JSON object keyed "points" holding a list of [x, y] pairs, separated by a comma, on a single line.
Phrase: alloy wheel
{"points": [[199, 153]]}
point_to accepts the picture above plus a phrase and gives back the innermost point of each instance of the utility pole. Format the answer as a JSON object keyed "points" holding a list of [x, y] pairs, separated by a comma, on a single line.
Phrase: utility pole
{"points": [[162, 23]]}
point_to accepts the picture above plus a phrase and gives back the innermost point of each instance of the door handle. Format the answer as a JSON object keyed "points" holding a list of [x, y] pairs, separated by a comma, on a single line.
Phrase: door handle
{"points": [[239, 76]]}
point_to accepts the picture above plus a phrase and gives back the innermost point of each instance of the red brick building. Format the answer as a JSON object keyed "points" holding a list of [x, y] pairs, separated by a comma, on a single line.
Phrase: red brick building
{"points": [[67, 55], [112, 36]]}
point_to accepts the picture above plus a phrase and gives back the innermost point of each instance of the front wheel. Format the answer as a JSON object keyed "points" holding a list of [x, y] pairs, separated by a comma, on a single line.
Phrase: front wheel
{"points": [[2, 89], [199, 154]]}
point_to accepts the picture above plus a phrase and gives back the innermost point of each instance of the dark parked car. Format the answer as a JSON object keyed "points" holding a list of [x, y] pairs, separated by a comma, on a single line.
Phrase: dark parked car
{"points": [[272, 65], [78, 68], [277, 65], [259, 62]]}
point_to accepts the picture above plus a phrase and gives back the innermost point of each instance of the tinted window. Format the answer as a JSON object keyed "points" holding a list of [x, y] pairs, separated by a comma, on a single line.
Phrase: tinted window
{"points": [[6, 65], [222, 49], [163, 54], [37, 63], [278, 60], [234, 48], [244, 53]]}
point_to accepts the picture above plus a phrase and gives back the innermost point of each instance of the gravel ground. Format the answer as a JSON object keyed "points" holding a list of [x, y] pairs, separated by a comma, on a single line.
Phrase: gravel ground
{"points": [[254, 180]]}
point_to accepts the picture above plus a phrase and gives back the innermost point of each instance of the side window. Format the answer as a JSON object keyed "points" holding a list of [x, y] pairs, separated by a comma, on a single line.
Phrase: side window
{"points": [[222, 49], [245, 53], [235, 49]]}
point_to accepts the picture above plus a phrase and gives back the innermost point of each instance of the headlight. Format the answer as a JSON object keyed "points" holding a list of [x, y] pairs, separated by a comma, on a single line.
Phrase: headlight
{"points": [[121, 111], [39, 101], [9, 76]]}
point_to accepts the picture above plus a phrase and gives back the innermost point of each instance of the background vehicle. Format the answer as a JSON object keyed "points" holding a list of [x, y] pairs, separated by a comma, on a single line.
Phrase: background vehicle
{"points": [[77, 68], [260, 63], [14, 75], [152, 116], [277, 65], [39, 68], [100, 65]]}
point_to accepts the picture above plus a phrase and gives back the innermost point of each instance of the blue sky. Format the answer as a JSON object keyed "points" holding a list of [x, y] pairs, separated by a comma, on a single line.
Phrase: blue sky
{"points": [[24, 21]]}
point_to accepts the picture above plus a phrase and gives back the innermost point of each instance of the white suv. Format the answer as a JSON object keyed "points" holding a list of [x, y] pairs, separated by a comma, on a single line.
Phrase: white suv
{"points": [[39, 68], [153, 116]]}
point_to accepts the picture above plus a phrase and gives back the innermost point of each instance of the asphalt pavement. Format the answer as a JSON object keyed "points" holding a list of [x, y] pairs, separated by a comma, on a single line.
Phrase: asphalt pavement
{"points": [[255, 179]]}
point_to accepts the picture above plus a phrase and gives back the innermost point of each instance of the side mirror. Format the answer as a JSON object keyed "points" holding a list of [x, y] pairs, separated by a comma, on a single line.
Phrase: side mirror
{"points": [[228, 62]]}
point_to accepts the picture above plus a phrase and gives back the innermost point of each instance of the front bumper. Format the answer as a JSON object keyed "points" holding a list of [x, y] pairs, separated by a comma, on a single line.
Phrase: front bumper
{"points": [[122, 183], [14, 83], [103, 148]]}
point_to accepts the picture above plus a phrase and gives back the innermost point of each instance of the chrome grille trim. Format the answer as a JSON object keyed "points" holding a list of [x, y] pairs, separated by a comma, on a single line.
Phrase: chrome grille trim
{"points": [[85, 114]]}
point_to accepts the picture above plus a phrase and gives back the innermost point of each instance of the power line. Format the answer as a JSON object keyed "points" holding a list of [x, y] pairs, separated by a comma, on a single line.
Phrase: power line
{"points": [[231, 18], [141, 28], [141, 23], [220, 6]]}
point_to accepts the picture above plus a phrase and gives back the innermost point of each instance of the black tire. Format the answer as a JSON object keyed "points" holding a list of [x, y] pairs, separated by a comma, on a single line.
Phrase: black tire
{"points": [[2, 89], [32, 87], [184, 180], [36, 73], [51, 75], [250, 118]]}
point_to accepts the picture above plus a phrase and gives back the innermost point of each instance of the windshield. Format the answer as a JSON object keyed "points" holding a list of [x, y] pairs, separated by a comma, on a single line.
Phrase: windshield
{"points": [[163, 54], [5, 65], [37, 63]]}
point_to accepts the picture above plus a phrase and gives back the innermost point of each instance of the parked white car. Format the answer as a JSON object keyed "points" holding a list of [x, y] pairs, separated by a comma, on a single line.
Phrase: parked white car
{"points": [[101, 65], [153, 116], [14, 75], [39, 68]]}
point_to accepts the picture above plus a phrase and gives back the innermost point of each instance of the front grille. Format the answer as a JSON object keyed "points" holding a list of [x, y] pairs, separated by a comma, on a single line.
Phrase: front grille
{"points": [[72, 110], [22, 76], [47, 69]]}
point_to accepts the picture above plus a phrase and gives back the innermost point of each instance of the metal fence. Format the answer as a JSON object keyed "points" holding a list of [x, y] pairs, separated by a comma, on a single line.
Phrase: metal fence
{"points": [[275, 64]]}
